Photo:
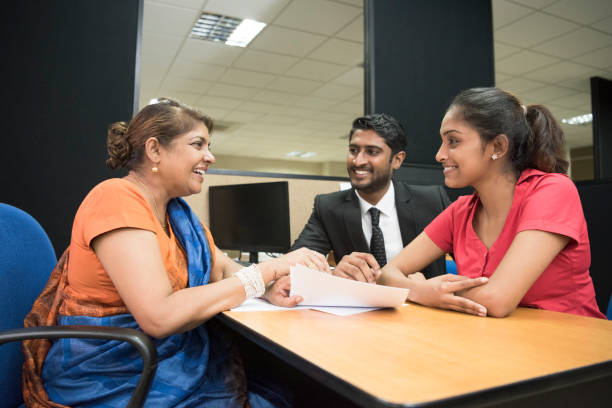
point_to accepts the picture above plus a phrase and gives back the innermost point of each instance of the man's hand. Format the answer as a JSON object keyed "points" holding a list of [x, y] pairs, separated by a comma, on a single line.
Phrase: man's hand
{"points": [[358, 266], [278, 293]]}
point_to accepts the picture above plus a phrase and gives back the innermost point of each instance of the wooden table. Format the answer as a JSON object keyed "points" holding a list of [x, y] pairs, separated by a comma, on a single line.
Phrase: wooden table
{"points": [[418, 356]]}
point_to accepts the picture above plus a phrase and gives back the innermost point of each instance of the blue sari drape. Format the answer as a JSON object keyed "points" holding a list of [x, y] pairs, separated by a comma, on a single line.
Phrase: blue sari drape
{"points": [[196, 368]]}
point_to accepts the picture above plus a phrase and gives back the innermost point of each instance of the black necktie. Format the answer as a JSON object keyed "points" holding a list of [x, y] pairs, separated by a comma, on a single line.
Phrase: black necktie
{"points": [[377, 243]]}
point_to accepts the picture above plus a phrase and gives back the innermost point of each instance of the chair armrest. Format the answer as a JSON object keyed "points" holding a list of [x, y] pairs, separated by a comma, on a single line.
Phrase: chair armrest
{"points": [[138, 339]]}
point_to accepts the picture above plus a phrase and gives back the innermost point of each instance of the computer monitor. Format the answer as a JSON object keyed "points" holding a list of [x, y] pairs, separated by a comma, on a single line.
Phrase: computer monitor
{"points": [[250, 217]]}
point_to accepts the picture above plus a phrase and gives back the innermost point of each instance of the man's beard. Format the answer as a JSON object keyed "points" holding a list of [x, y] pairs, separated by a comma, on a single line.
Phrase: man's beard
{"points": [[379, 181]]}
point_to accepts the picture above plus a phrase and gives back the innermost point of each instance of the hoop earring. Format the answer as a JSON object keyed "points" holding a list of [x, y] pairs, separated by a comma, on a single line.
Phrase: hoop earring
{"points": [[154, 170], [495, 156]]}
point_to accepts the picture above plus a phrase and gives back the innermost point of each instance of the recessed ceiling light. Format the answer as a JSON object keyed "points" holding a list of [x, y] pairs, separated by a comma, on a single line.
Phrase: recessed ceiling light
{"points": [[579, 120], [307, 154], [228, 30]]}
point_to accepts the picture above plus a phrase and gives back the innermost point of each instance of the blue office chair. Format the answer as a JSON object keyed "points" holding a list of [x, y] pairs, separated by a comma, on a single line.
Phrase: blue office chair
{"points": [[609, 312], [26, 261], [451, 267]]}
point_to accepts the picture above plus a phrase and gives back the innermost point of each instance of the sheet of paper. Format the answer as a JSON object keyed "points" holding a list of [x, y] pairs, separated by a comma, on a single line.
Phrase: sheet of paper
{"points": [[260, 305], [322, 289]]}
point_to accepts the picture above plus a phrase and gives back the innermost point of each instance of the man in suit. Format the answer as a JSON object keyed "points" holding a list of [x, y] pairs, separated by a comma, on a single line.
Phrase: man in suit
{"points": [[364, 239]]}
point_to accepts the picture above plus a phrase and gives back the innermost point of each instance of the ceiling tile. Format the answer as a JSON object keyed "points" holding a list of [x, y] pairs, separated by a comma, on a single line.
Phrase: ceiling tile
{"points": [[546, 94], [500, 77], [579, 99], [264, 61], [173, 83], [604, 25], [520, 85], [504, 50], [260, 10], [286, 41], [538, 4], [558, 73], [260, 107], [218, 102], [352, 77], [313, 102], [332, 91], [279, 119], [293, 85], [353, 31], [505, 13], [522, 62], [353, 108], [196, 70], [214, 112], [281, 98], [583, 83], [339, 52], [239, 116], [599, 59], [231, 91], [209, 52], [246, 78], [189, 4], [316, 16], [170, 20], [320, 71], [188, 98], [583, 12], [159, 47], [575, 43], [533, 29], [356, 3]]}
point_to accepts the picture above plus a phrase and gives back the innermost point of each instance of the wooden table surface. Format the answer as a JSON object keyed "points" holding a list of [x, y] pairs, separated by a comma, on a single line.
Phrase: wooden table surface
{"points": [[415, 355]]}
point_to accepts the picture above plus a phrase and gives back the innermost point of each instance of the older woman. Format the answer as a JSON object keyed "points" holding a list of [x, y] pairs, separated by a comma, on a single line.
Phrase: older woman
{"points": [[139, 257], [522, 232]]}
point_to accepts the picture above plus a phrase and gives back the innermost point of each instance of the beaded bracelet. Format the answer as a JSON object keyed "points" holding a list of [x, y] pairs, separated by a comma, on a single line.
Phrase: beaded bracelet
{"points": [[251, 279]]}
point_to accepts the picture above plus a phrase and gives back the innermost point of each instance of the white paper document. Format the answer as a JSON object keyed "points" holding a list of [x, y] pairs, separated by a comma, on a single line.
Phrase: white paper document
{"points": [[323, 289], [331, 294]]}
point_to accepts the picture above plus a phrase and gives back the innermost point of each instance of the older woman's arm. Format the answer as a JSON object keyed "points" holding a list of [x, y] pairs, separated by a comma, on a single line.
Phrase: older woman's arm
{"points": [[132, 259]]}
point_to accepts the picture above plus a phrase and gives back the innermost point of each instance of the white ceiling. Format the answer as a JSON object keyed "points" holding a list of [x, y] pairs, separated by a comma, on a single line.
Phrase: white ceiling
{"points": [[299, 84]]}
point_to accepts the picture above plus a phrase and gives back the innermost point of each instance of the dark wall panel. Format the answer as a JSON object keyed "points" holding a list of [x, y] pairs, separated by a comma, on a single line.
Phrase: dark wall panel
{"points": [[601, 104], [419, 55], [70, 69], [596, 196]]}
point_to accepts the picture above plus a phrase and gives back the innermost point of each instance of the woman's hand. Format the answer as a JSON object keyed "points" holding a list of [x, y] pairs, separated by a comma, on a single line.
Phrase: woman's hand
{"points": [[440, 292], [278, 293], [274, 269]]}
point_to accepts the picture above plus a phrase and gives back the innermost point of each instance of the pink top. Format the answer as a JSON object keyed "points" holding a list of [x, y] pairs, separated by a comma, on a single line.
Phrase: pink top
{"points": [[542, 201]]}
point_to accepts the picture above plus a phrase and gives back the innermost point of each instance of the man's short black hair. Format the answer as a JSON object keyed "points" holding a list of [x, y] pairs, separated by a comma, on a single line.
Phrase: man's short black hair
{"points": [[386, 126]]}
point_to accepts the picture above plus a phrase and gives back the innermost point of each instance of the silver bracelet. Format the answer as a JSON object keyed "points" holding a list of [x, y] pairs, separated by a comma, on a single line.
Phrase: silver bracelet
{"points": [[251, 279]]}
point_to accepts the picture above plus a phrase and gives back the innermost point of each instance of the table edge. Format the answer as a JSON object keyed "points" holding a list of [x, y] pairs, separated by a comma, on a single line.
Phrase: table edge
{"points": [[498, 394]]}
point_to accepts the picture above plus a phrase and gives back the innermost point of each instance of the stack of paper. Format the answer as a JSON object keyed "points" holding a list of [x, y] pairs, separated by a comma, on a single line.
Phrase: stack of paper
{"points": [[332, 294]]}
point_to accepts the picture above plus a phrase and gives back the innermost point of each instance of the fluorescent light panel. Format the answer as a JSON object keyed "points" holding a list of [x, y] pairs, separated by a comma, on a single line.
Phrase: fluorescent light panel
{"points": [[302, 155], [579, 120], [228, 30]]}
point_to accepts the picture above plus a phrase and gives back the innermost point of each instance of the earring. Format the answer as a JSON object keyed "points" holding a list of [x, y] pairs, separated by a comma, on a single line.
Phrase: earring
{"points": [[495, 156], [155, 170]]}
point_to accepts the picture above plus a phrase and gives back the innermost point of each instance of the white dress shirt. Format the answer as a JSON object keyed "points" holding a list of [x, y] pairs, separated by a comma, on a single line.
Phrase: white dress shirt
{"points": [[388, 223]]}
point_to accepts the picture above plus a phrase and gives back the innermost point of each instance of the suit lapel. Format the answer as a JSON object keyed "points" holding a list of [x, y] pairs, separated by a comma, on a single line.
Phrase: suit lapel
{"points": [[405, 213], [352, 221]]}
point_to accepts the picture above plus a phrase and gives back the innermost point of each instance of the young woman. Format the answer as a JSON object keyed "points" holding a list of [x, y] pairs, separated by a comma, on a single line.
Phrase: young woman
{"points": [[139, 258], [523, 230]]}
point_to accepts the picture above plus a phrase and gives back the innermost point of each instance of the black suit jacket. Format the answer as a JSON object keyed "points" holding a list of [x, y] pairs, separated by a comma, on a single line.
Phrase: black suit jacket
{"points": [[335, 222]]}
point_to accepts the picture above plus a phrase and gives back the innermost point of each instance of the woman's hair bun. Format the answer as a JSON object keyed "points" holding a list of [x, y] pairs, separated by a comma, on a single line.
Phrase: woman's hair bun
{"points": [[118, 146]]}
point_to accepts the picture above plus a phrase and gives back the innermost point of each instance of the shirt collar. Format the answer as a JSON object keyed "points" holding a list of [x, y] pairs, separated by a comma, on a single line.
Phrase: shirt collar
{"points": [[386, 205]]}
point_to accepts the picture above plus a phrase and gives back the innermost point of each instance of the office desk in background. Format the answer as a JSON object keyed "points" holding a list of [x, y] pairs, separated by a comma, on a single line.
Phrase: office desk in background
{"points": [[418, 356]]}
